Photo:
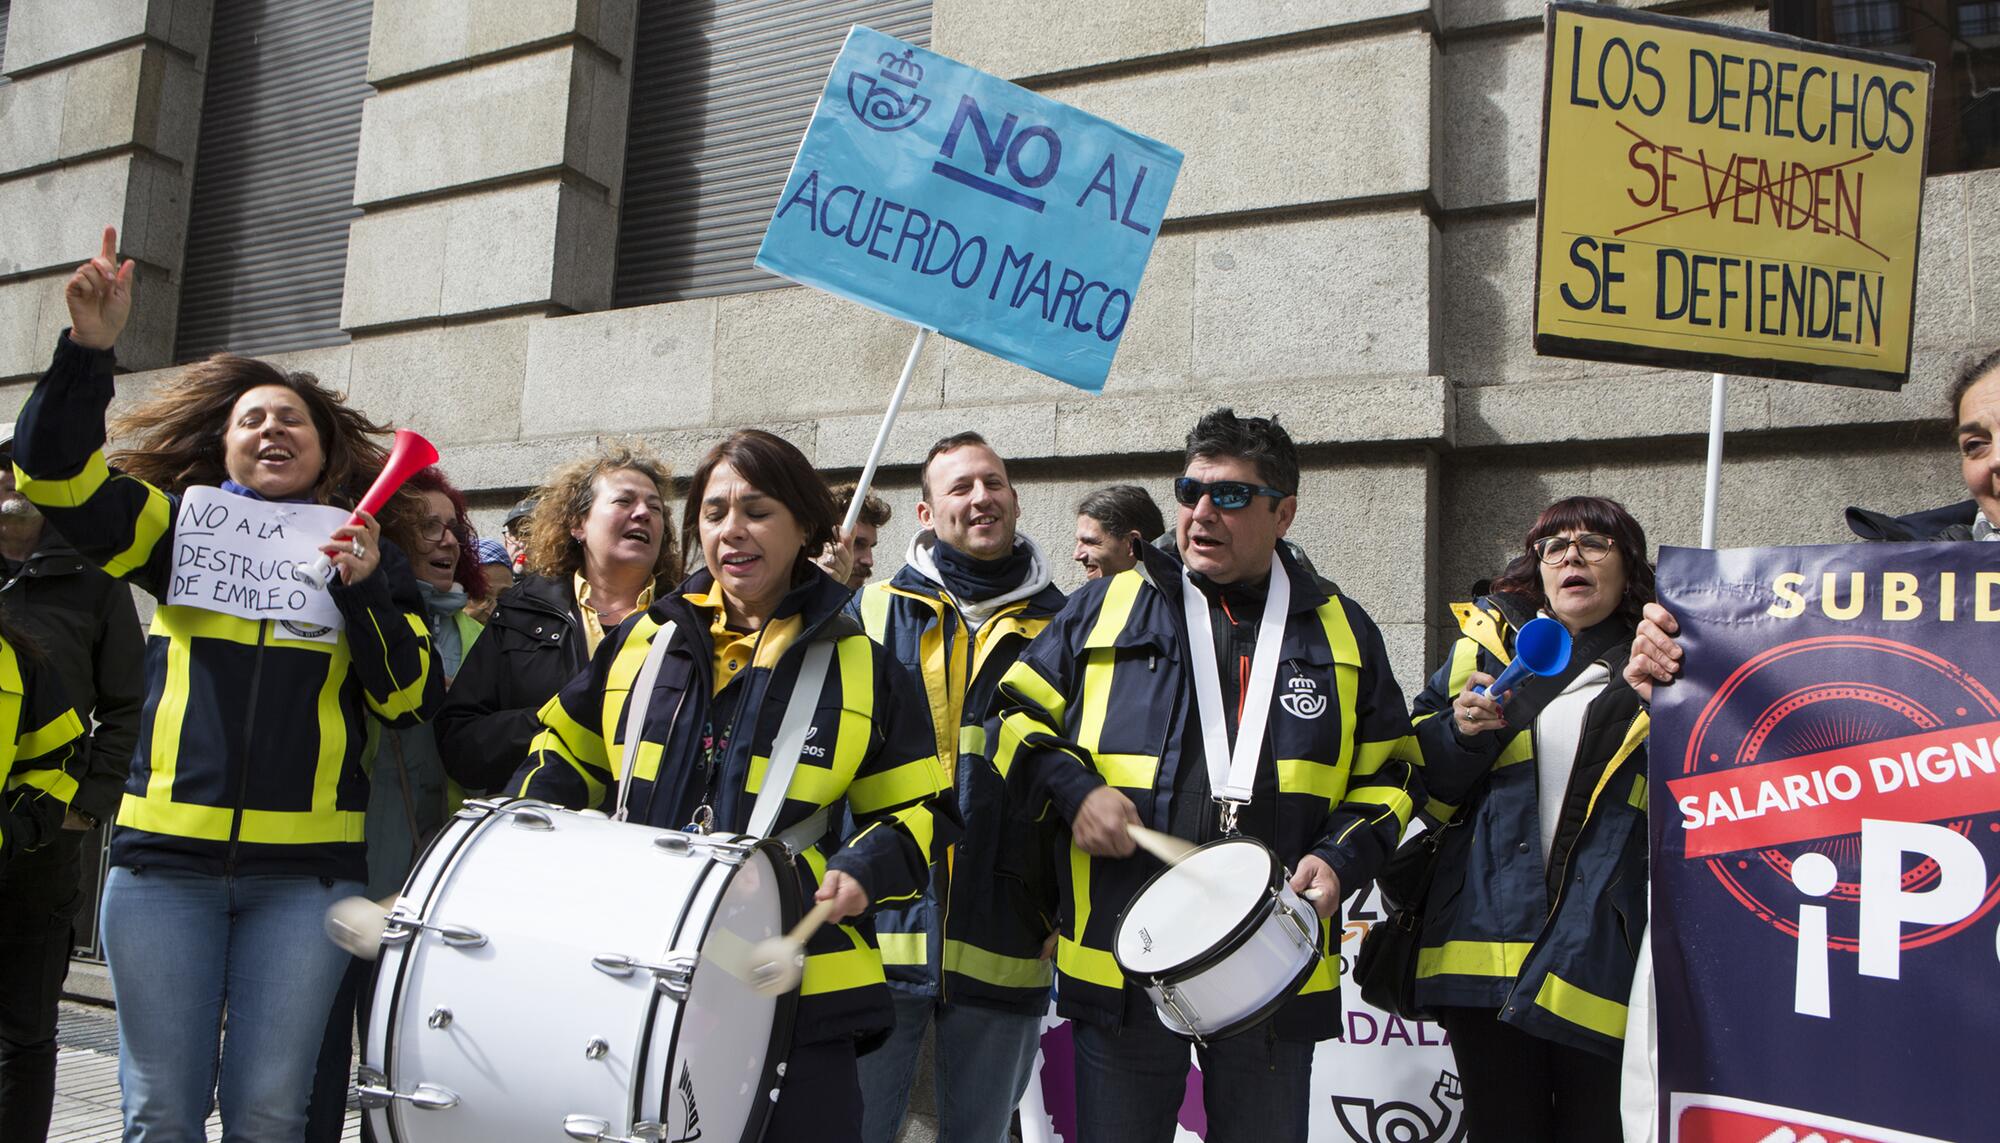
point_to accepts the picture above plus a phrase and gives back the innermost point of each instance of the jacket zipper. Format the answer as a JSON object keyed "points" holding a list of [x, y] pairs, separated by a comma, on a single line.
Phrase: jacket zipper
{"points": [[249, 728], [1562, 886]]}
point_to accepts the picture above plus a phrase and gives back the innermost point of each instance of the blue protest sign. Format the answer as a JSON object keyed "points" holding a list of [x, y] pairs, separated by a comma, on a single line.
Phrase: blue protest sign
{"points": [[1825, 792], [949, 198]]}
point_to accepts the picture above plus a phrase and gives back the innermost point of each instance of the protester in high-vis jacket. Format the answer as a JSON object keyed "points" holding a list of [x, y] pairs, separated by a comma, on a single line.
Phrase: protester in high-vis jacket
{"points": [[743, 629], [43, 762], [1112, 524], [1100, 728], [243, 817], [599, 547], [1536, 910], [971, 595]]}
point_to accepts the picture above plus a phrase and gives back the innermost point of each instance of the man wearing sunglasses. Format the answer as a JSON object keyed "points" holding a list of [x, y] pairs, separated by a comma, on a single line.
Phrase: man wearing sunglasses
{"points": [[1217, 689]]}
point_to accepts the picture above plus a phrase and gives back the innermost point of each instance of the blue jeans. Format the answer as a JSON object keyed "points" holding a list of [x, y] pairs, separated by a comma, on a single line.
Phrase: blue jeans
{"points": [[983, 1059], [184, 947], [1130, 1083]]}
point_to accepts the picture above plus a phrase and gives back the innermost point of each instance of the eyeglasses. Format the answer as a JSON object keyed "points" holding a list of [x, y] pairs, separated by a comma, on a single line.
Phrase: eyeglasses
{"points": [[432, 530], [1555, 549], [1227, 495]]}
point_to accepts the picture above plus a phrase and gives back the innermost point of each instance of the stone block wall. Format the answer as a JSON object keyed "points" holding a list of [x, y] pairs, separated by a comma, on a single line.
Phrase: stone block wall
{"points": [[1351, 245]]}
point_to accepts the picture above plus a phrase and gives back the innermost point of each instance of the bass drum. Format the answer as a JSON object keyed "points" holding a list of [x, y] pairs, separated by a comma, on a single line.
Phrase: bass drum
{"points": [[555, 975]]}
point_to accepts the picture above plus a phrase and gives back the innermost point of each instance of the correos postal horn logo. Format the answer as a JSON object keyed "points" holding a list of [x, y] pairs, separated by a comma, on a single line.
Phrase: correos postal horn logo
{"points": [[888, 100]]}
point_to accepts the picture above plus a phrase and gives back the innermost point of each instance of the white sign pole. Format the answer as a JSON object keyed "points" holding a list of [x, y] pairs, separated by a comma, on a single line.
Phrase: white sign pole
{"points": [[882, 435], [1718, 392]]}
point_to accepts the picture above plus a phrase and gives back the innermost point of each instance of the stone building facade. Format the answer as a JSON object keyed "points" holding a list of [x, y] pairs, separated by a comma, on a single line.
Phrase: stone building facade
{"points": [[1351, 245]]}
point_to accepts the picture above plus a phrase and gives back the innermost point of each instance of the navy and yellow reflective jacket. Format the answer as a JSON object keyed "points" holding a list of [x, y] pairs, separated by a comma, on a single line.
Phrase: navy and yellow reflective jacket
{"points": [[1550, 945], [40, 757], [252, 740], [867, 751], [1105, 696], [977, 934]]}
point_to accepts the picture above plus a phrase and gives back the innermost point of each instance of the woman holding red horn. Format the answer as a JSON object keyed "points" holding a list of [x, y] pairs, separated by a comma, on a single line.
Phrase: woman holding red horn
{"points": [[242, 820]]}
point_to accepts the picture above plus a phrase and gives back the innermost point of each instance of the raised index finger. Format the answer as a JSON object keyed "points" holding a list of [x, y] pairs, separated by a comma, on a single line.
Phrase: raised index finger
{"points": [[110, 251]]}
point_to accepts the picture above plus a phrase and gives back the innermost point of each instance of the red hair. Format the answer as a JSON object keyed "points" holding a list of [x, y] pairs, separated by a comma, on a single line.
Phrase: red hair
{"points": [[468, 573]]}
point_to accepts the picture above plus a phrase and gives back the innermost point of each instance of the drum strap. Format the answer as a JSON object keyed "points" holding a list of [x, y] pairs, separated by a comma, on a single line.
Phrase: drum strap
{"points": [[1232, 772], [791, 738], [635, 711]]}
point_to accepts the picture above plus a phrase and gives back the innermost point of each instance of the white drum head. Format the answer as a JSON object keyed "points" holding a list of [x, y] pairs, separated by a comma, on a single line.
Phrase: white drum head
{"points": [[1189, 909]]}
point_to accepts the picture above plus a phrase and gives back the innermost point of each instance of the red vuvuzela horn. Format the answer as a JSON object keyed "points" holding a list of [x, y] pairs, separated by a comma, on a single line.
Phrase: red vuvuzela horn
{"points": [[410, 455]]}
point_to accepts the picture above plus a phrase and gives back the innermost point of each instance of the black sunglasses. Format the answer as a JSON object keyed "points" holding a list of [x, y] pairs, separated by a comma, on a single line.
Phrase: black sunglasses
{"points": [[1228, 495]]}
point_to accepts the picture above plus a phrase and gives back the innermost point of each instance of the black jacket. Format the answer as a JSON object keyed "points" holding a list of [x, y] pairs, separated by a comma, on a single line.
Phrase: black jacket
{"points": [[1951, 522], [532, 646], [84, 625]]}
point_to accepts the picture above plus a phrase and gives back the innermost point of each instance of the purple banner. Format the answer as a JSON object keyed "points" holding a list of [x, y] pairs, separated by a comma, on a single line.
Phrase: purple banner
{"points": [[1826, 844]]}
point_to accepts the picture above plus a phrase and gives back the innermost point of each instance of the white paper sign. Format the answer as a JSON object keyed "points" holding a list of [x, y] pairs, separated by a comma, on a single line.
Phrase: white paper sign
{"points": [[253, 558]]}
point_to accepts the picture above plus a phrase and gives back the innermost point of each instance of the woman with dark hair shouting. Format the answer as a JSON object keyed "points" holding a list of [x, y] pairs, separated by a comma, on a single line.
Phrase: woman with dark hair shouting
{"points": [[1534, 915], [243, 817], [757, 631]]}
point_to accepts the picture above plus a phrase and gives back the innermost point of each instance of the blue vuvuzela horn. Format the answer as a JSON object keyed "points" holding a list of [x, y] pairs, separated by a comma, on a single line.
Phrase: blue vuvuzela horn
{"points": [[1541, 648]]}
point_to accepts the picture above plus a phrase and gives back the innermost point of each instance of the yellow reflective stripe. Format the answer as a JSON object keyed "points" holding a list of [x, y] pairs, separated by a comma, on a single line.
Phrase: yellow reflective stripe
{"points": [[262, 827], [840, 971], [857, 697], [55, 783], [1092, 966], [899, 785], [1584, 1009], [1114, 610], [1464, 661], [1396, 798], [65, 727], [332, 759], [1519, 749], [1637, 799], [1346, 674], [1325, 974], [943, 677], [646, 765], [625, 665], [1027, 682], [1014, 731], [903, 948], [972, 740], [70, 493], [921, 825], [147, 530], [810, 783], [994, 968], [10, 670], [1635, 736], [1134, 771], [1369, 756], [1305, 776], [875, 611], [575, 740], [1473, 958], [163, 753], [408, 697]]}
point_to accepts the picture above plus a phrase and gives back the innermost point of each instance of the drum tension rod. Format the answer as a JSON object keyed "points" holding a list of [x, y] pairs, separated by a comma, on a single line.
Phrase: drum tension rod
{"points": [[673, 976], [371, 1087], [527, 814], [399, 928], [593, 1129]]}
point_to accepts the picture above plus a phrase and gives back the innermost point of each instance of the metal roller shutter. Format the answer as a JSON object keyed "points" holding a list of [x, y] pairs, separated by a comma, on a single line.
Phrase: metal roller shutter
{"points": [[721, 94], [274, 177]]}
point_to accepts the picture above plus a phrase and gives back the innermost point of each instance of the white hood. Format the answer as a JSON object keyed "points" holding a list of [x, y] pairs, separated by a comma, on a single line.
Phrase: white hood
{"points": [[977, 612]]}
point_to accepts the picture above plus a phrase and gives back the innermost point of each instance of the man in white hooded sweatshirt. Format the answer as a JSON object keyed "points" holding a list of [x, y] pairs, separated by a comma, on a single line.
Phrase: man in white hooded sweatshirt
{"points": [[968, 957]]}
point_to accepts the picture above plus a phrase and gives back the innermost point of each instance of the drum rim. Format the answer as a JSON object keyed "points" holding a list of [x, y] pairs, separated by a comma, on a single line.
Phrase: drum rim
{"points": [[1252, 1019], [1233, 939], [784, 1014], [404, 953]]}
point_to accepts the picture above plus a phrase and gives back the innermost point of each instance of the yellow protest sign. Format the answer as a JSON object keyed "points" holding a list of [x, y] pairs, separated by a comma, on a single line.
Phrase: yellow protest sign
{"points": [[1728, 200]]}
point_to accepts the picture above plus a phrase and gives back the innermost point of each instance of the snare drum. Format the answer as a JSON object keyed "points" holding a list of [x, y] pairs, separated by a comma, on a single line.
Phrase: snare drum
{"points": [[1218, 941], [554, 975]]}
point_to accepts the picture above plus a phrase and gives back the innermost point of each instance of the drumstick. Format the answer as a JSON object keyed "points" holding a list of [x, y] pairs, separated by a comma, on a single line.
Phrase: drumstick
{"points": [[356, 924], [1165, 846], [776, 964]]}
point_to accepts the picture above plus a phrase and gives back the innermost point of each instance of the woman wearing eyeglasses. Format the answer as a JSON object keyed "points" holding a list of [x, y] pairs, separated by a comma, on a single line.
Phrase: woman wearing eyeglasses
{"points": [[1533, 920]]}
